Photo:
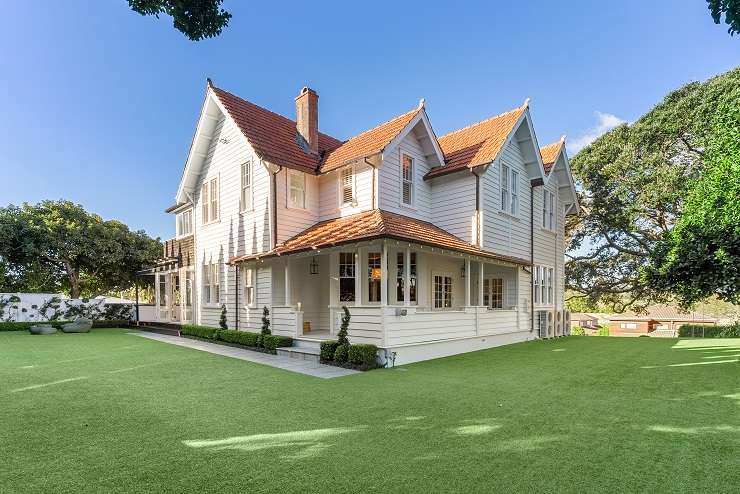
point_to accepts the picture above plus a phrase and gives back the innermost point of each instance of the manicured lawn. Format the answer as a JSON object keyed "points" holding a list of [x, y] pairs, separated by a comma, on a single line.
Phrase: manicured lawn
{"points": [[111, 412]]}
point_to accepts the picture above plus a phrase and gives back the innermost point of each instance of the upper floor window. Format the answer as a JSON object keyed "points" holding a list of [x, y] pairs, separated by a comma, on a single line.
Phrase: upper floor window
{"points": [[509, 190], [209, 200], [407, 179], [245, 198], [347, 186], [296, 189], [548, 209], [185, 223]]}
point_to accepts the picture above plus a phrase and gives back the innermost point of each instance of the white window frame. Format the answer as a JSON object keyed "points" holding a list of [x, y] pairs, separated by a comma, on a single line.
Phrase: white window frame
{"points": [[505, 187], [289, 189], [246, 190], [340, 186], [353, 265], [407, 180], [514, 183], [211, 284], [249, 275], [181, 232], [378, 259], [544, 285], [212, 202], [452, 291], [548, 210], [536, 281], [488, 292]]}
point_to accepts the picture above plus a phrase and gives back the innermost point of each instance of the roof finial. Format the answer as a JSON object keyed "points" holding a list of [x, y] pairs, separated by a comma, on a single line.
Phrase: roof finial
{"points": [[562, 138], [526, 103], [209, 82], [421, 103]]}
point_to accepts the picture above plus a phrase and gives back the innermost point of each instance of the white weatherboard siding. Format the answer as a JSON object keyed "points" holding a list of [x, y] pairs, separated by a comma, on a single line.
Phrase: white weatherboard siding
{"points": [[235, 232], [453, 197], [292, 221], [503, 233], [549, 245], [389, 180], [329, 206]]}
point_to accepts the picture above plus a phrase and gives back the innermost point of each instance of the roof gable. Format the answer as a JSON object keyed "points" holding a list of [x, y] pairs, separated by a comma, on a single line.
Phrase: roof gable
{"points": [[557, 168], [477, 144], [550, 154], [367, 143]]}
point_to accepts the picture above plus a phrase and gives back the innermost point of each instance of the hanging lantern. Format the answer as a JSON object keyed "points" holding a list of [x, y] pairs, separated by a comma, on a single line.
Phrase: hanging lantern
{"points": [[314, 266]]}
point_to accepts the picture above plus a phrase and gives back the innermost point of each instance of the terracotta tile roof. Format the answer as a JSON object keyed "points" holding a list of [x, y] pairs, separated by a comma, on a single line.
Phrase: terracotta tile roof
{"points": [[375, 224], [367, 143], [477, 144], [662, 312], [273, 136], [550, 153]]}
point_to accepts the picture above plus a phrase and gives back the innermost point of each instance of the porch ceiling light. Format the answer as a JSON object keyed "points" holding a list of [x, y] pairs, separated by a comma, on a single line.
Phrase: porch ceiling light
{"points": [[314, 266]]}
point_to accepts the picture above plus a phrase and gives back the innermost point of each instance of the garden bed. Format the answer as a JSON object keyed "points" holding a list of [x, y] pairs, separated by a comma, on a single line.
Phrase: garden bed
{"points": [[268, 343]]}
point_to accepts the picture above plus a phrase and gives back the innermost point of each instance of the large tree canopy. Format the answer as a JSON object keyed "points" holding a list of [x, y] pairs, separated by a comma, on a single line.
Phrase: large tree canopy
{"points": [[635, 179], [196, 19], [701, 255], [58, 246], [731, 11]]}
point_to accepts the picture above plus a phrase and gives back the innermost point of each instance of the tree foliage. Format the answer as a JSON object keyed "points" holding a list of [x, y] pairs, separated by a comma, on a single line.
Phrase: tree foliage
{"points": [[634, 181], [731, 11], [58, 246], [196, 19], [701, 256]]}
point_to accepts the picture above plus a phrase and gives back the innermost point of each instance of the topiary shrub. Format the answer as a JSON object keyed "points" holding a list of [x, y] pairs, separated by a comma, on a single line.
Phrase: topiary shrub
{"points": [[222, 320], [265, 321], [341, 354], [342, 335], [363, 355], [327, 350], [577, 331]]}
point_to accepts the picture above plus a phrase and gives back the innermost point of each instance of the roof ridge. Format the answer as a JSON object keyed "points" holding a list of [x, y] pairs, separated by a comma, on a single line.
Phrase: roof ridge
{"points": [[265, 109], [417, 109], [485, 120]]}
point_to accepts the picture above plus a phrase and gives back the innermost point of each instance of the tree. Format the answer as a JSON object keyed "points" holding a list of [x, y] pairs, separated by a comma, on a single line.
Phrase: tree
{"points": [[701, 256], [196, 19], [634, 180], [731, 10], [59, 246]]}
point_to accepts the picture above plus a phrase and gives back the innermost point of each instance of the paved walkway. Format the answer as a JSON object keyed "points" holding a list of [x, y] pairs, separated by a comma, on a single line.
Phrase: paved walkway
{"points": [[280, 362]]}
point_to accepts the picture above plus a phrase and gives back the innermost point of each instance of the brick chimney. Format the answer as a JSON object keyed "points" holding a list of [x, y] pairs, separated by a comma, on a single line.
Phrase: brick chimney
{"points": [[307, 117]]}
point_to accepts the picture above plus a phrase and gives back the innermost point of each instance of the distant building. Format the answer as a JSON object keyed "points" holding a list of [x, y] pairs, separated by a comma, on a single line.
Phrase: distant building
{"points": [[584, 320], [663, 319]]}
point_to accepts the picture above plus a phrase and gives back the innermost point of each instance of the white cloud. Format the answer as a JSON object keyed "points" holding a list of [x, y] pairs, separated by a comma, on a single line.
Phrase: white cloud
{"points": [[605, 123]]}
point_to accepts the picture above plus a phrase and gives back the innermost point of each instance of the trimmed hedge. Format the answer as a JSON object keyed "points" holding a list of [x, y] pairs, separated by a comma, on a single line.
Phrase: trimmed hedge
{"points": [[701, 331], [254, 341], [199, 331], [363, 355], [25, 325], [327, 350]]}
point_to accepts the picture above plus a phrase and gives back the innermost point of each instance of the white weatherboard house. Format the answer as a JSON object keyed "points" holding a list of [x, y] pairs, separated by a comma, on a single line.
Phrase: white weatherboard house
{"points": [[437, 245]]}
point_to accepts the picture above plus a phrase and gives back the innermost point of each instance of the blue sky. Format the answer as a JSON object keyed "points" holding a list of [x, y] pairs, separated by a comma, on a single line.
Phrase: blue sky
{"points": [[99, 104]]}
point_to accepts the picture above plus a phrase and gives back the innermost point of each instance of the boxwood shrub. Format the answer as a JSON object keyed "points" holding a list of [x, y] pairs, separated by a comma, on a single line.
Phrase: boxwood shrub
{"points": [[327, 350], [272, 341], [719, 331], [363, 355], [341, 354]]}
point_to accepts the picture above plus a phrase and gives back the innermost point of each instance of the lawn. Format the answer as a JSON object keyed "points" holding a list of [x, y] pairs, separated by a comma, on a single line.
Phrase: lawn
{"points": [[113, 412]]}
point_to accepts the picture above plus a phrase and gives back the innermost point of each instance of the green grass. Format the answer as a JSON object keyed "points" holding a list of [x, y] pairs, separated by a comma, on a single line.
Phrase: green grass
{"points": [[572, 415]]}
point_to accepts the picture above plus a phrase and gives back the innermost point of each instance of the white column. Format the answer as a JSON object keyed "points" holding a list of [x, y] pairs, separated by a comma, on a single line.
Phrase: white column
{"points": [[384, 275], [288, 301], [156, 294], [468, 280], [407, 277], [480, 284]]}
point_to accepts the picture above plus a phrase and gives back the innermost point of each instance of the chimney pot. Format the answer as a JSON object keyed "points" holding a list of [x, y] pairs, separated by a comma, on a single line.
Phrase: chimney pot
{"points": [[307, 118]]}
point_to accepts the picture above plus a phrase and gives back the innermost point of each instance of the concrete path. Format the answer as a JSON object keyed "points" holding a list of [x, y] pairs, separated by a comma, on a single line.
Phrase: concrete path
{"points": [[285, 363]]}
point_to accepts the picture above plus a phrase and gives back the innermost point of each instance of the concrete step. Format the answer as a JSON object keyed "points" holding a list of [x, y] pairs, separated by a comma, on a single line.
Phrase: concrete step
{"points": [[307, 343], [299, 353]]}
